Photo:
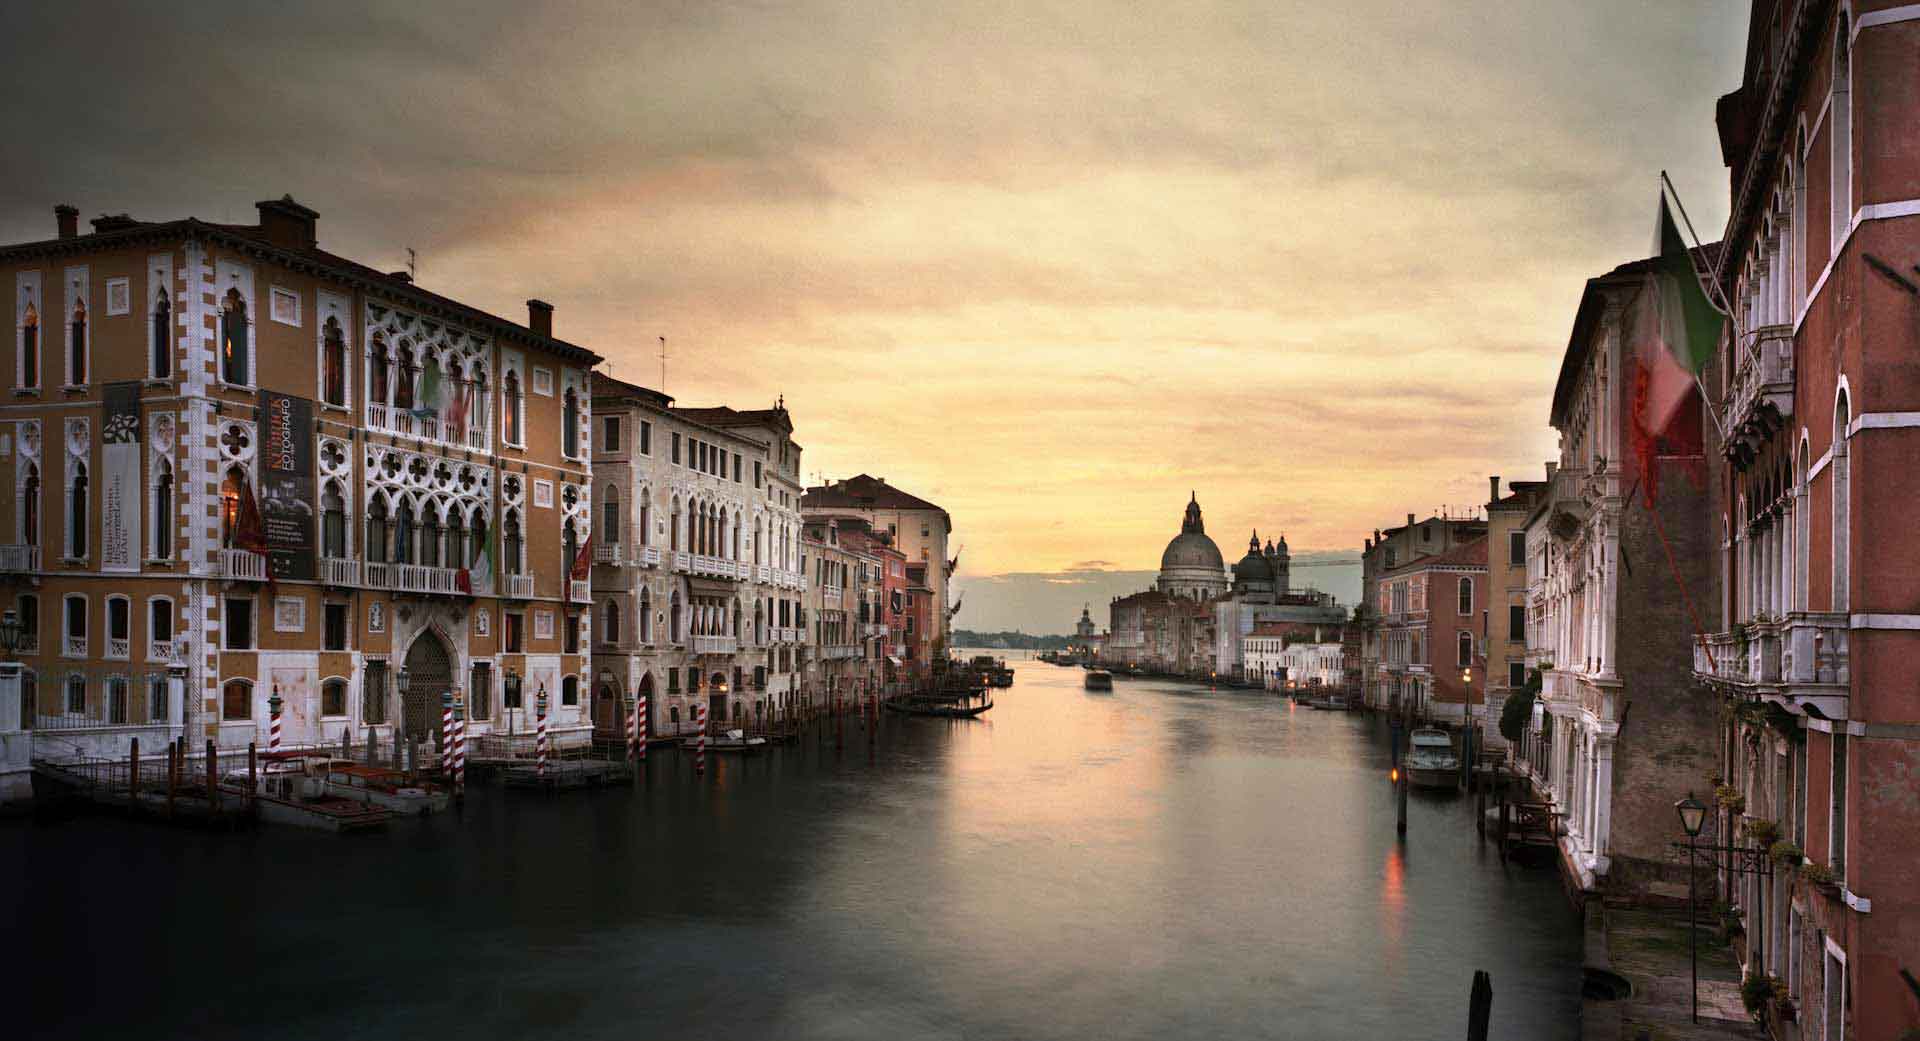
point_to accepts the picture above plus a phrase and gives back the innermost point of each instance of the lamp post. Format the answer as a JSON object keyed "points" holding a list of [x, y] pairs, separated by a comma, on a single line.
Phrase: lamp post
{"points": [[10, 632], [1693, 814]]}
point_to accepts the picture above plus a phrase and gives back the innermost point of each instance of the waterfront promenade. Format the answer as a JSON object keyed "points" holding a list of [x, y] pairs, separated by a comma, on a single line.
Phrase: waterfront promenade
{"points": [[1163, 861]]}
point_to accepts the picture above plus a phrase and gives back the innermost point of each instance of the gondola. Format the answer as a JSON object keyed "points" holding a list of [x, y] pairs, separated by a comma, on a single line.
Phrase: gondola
{"points": [[921, 707]]}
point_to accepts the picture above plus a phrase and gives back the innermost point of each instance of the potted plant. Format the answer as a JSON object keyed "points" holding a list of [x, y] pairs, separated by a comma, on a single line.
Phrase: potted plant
{"points": [[1784, 852], [1730, 798], [1763, 832], [1759, 993], [1817, 874]]}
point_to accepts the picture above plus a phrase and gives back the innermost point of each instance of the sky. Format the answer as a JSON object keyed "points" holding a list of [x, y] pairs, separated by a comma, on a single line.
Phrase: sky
{"points": [[1053, 266]]}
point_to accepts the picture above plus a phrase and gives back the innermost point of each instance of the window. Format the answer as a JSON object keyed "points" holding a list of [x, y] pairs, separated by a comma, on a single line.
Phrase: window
{"points": [[29, 607], [29, 347], [510, 691], [756, 473], [235, 342], [30, 506], [570, 425], [377, 531], [1517, 622], [1837, 817], [160, 335], [77, 346], [334, 627], [1390, 556], [163, 512], [571, 642], [512, 402], [736, 468], [1517, 548], [236, 700], [160, 621], [610, 517], [676, 448], [511, 544], [1833, 982], [237, 623], [610, 434], [117, 700], [610, 624], [373, 693], [77, 514], [1466, 596], [1466, 649], [158, 701], [408, 371], [77, 694], [1842, 135], [1842, 508], [1516, 674], [570, 691], [516, 623], [333, 522], [333, 697], [480, 691], [76, 626], [333, 362], [646, 438], [119, 626]]}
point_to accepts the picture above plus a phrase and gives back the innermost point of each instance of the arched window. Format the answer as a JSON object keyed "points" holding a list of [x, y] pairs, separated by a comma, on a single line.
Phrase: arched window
{"points": [[570, 424], [477, 525], [160, 621], [456, 539], [736, 619], [333, 697], [646, 522], [163, 513], [230, 506], [377, 391], [609, 517], [610, 624], [236, 700], [673, 618], [1466, 596], [673, 527], [721, 528], [77, 346], [1842, 507], [403, 531], [510, 402], [119, 626], [333, 522], [1797, 164], [30, 507], [569, 548], [30, 347], [377, 530], [333, 355], [430, 537], [235, 345], [403, 383], [646, 616], [1466, 649], [77, 513], [161, 333], [511, 544], [1842, 135]]}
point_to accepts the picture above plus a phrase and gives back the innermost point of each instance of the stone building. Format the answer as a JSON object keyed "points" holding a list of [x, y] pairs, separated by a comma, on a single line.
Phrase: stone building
{"points": [[1260, 596], [1430, 615], [1506, 625], [1386, 551], [841, 659], [1611, 561], [920, 530], [1190, 566], [245, 467], [1817, 629], [699, 584]]}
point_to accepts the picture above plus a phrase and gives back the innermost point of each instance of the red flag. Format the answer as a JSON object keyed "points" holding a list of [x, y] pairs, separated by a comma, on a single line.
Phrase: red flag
{"points": [[248, 532], [582, 561]]}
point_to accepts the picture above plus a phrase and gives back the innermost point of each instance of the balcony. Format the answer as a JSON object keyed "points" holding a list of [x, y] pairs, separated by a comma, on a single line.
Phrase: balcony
{"points": [[682, 560], [763, 574], [163, 651], [337, 572], [120, 649], [715, 644], [713, 567], [1760, 394], [831, 595], [840, 651], [874, 629], [73, 647], [421, 578], [606, 553], [519, 587], [16, 558], [241, 565], [650, 556], [427, 428], [579, 591]]}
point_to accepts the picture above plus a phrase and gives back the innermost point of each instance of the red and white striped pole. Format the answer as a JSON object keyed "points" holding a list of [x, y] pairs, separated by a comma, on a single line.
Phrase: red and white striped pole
{"points": [[700, 739], [540, 732], [446, 735], [633, 730], [459, 744], [640, 723], [273, 720]]}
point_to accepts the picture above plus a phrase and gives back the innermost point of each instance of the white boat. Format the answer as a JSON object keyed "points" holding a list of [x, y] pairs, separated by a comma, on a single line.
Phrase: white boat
{"points": [[1430, 762], [735, 741], [292, 788], [380, 786]]}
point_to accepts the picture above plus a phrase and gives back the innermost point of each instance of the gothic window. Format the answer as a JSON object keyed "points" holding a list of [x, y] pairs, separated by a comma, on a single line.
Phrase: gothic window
{"points": [[646, 616], [1842, 136], [230, 507], [403, 532], [403, 385], [673, 527], [430, 538], [333, 362], [163, 513], [161, 334], [1842, 513], [569, 547], [333, 522], [610, 626], [673, 618], [77, 346], [376, 531], [570, 425], [77, 513], [646, 523], [235, 345], [512, 403], [511, 543], [30, 507], [478, 528], [456, 539], [609, 517], [377, 392], [30, 348]]}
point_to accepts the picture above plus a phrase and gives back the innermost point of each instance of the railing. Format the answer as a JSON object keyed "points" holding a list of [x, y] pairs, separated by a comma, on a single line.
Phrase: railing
{"points": [[763, 574], [427, 428], [578, 590], [73, 646], [519, 587], [876, 629], [337, 572], [682, 560], [1763, 373], [422, 578], [831, 594], [1815, 650], [606, 554], [840, 651], [719, 567], [162, 651], [650, 556], [242, 565], [715, 644], [122, 648], [18, 556]]}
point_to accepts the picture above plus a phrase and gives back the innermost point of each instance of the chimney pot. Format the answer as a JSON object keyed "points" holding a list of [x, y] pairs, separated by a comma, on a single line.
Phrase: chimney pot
{"points": [[1409, 520], [67, 218], [540, 317], [287, 223], [1494, 484]]}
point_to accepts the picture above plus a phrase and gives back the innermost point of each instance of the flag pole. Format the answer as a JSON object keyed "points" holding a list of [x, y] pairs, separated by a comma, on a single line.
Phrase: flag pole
{"points": [[1710, 284]]}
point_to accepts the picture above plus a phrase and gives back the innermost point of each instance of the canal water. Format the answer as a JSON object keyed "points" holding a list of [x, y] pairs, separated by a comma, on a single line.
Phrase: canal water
{"points": [[1160, 862]]}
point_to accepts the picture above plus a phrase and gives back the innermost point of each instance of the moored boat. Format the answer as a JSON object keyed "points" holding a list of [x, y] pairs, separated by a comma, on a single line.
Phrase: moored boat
{"points": [[735, 741], [1099, 679], [1430, 762], [923, 707], [381, 786]]}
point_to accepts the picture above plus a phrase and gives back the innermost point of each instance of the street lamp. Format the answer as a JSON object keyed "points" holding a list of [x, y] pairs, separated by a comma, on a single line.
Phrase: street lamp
{"points": [[10, 632], [1693, 815]]}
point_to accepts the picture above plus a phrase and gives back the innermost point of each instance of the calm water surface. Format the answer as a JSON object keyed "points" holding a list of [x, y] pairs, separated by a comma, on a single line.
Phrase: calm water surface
{"points": [[1159, 862]]}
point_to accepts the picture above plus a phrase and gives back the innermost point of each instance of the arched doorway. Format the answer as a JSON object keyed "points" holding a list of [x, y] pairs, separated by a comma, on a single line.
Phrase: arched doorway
{"points": [[717, 700], [429, 675], [608, 719]]}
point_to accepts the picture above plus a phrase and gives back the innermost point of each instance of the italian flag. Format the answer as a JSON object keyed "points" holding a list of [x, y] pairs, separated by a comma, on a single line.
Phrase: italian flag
{"points": [[1675, 335]]}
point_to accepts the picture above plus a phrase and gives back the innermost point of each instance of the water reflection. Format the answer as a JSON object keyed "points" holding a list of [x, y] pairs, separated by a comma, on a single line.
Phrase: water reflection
{"points": [[1162, 861]]}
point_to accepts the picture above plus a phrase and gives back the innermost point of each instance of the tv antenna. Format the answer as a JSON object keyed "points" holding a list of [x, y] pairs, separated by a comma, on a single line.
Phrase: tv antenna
{"points": [[663, 365], [413, 263]]}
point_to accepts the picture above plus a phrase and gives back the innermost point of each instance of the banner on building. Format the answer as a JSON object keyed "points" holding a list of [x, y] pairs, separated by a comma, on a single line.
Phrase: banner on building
{"points": [[120, 479], [286, 484]]}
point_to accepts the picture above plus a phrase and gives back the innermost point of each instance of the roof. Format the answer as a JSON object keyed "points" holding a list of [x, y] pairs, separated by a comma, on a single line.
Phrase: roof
{"points": [[253, 239], [722, 416], [605, 386], [1467, 554], [864, 492]]}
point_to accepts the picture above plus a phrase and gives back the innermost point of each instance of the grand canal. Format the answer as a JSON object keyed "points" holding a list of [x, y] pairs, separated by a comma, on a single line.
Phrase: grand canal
{"points": [[1163, 861]]}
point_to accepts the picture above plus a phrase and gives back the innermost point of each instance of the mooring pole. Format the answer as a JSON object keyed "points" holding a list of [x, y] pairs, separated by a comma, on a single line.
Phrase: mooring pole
{"points": [[173, 774], [1401, 798], [213, 787], [133, 773], [1480, 1006]]}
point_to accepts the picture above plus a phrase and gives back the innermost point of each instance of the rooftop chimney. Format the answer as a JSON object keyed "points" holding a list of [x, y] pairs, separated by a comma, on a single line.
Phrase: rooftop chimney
{"points": [[287, 223], [540, 317], [1493, 484], [112, 222], [68, 218], [1409, 520]]}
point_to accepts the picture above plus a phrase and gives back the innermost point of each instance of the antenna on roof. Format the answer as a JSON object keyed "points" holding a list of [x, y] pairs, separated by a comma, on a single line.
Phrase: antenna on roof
{"points": [[663, 365], [413, 263]]}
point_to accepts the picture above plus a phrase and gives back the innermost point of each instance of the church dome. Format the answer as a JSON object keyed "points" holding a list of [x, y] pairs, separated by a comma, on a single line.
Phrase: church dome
{"points": [[1192, 549], [1254, 567], [1191, 565]]}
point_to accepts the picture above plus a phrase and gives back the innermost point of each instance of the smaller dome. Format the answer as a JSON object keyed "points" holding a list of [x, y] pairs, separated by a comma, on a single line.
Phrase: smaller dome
{"points": [[1253, 567]]}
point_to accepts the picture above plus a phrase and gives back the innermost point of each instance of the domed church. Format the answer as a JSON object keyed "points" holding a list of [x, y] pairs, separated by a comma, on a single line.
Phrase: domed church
{"points": [[1192, 568], [1262, 576]]}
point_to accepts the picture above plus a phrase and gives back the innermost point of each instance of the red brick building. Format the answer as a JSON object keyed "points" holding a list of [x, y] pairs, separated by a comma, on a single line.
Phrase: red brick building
{"points": [[1432, 615]]}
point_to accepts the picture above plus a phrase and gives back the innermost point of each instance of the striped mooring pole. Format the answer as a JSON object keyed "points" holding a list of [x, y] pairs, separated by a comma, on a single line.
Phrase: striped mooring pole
{"points": [[540, 731], [640, 723], [273, 720], [700, 739], [633, 730], [446, 735], [459, 745]]}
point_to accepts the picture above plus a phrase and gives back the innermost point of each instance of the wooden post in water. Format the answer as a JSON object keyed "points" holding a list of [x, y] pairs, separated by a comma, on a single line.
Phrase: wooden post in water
{"points": [[1401, 798], [1480, 1006], [213, 785], [253, 771], [133, 773], [173, 774]]}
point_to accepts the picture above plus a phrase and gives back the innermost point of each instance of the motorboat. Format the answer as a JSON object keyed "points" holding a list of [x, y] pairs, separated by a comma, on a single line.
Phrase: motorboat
{"points": [[1099, 679], [381, 786], [735, 741], [1430, 761], [292, 788]]}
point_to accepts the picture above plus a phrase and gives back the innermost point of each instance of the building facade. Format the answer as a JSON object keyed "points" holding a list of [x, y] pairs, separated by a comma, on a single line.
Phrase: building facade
{"points": [[1386, 551], [248, 471], [1431, 614], [1506, 623], [919, 530]]}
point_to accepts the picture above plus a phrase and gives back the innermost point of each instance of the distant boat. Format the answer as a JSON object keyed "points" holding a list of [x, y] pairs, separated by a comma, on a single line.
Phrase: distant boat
{"points": [[1099, 679], [921, 707], [735, 741], [1430, 762]]}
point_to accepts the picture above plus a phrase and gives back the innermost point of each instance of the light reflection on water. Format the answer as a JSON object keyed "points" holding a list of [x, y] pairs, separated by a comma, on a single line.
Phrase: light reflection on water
{"points": [[1162, 861]]}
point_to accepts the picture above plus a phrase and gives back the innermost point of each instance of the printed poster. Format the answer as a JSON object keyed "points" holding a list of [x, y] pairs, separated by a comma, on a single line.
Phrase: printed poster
{"points": [[286, 484], [120, 496]]}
